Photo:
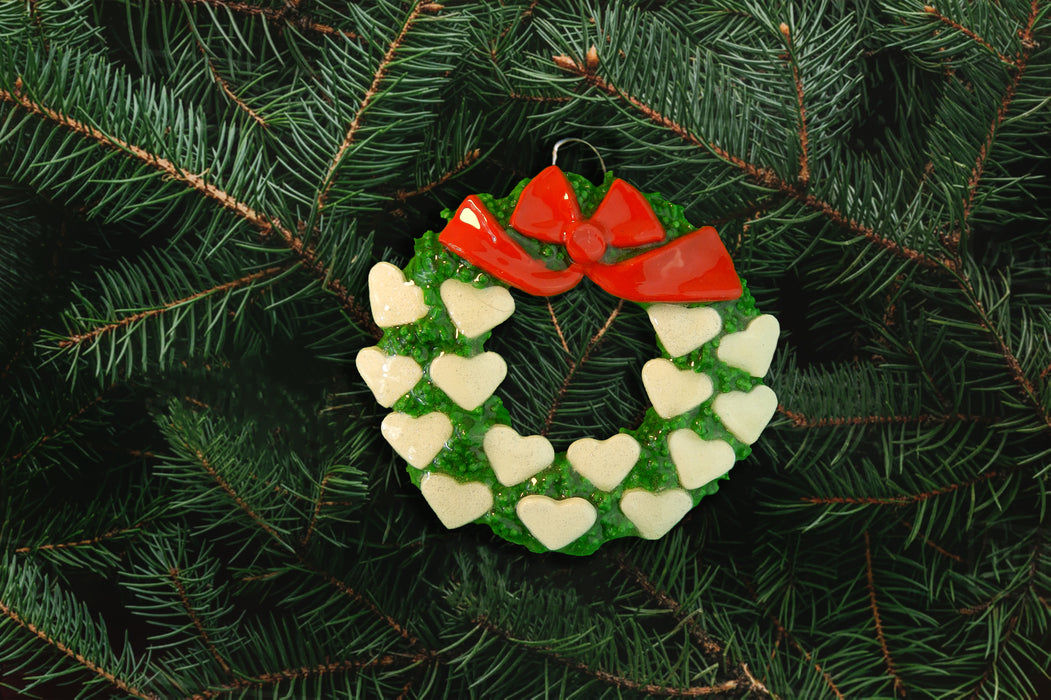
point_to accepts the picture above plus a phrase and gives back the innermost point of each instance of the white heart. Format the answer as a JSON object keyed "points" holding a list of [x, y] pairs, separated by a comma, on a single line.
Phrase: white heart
{"points": [[454, 503], [699, 461], [753, 348], [682, 330], [388, 376], [475, 311], [515, 458], [604, 463], [468, 381], [556, 523], [672, 390], [655, 513], [745, 415], [394, 301], [417, 440]]}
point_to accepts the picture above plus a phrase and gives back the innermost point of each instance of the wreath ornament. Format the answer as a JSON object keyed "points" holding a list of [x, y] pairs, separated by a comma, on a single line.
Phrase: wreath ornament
{"points": [[431, 367]]}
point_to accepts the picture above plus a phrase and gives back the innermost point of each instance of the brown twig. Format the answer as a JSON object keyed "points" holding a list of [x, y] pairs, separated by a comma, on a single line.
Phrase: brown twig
{"points": [[267, 227], [804, 139], [577, 364], [800, 420], [934, 545], [892, 669], [785, 634], [180, 589], [366, 100], [900, 500], [284, 17], [94, 333], [467, 161], [557, 325], [291, 674], [317, 510], [1018, 70], [765, 177], [228, 91], [612, 679], [47, 437], [115, 532], [933, 12], [87, 663]]}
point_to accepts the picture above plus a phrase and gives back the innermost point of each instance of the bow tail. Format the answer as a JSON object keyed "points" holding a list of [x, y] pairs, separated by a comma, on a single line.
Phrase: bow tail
{"points": [[477, 237], [694, 267]]}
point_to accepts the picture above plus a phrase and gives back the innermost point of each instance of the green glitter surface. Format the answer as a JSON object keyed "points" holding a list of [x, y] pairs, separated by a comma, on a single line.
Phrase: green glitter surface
{"points": [[463, 457]]}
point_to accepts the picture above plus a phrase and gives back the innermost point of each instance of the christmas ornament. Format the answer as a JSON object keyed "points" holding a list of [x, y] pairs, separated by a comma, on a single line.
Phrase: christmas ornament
{"points": [[431, 367]]}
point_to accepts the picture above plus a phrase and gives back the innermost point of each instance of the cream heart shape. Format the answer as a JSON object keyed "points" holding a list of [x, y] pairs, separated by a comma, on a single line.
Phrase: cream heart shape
{"points": [[746, 414], [604, 463], [454, 503], [468, 381], [673, 391], [556, 523], [753, 348], [417, 440], [394, 301], [388, 376], [515, 458], [681, 329], [474, 311], [655, 513], [699, 461]]}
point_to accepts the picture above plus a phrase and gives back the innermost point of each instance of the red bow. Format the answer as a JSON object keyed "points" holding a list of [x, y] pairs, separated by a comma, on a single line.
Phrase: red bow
{"points": [[693, 267]]}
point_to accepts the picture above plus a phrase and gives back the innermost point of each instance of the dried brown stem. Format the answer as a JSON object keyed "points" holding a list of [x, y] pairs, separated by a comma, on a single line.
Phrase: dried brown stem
{"points": [[612, 679], [1018, 70], [933, 12], [900, 500], [266, 226], [272, 678], [764, 176], [287, 16], [173, 573], [467, 162], [577, 364], [115, 532], [892, 669], [87, 663], [804, 139], [366, 100], [94, 333], [557, 325], [800, 420]]}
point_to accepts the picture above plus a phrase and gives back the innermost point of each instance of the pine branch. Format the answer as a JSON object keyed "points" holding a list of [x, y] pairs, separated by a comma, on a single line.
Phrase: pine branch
{"points": [[892, 669], [801, 420], [615, 681], [1018, 70], [173, 573], [575, 365], [228, 91], [87, 663], [59, 429], [115, 532], [804, 139], [288, 15], [933, 12], [785, 634], [470, 159], [761, 175], [903, 500], [266, 226], [99, 331], [709, 645], [935, 546], [557, 326], [275, 678], [355, 124]]}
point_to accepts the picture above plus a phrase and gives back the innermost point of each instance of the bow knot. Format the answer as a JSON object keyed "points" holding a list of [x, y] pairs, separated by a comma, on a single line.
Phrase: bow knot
{"points": [[693, 267]]}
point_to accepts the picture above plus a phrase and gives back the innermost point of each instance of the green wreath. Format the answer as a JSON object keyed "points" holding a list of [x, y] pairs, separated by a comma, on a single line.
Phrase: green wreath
{"points": [[431, 368]]}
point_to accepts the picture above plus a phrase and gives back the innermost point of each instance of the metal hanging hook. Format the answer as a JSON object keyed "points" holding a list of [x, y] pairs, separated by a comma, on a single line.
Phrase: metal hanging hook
{"points": [[554, 152]]}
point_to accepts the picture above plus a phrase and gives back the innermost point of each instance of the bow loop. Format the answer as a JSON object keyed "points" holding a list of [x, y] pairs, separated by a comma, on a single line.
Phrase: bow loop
{"points": [[692, 268]]}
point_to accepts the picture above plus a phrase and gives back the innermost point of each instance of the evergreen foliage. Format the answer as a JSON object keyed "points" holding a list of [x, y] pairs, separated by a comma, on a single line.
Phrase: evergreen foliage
{"points": [[194, 496]]}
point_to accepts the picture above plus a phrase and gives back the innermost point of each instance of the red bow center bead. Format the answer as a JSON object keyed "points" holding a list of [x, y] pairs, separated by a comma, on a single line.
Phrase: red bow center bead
{"points": [[586, 243]]}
